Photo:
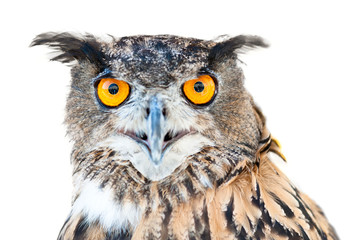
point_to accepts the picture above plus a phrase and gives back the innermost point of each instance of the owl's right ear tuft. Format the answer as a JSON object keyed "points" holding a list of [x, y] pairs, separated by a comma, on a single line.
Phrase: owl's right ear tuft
{"points": [[70, 47]]}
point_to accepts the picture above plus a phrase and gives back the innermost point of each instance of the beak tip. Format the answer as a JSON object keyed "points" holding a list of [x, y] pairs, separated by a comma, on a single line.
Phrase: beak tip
{"points": [[156, 160]]}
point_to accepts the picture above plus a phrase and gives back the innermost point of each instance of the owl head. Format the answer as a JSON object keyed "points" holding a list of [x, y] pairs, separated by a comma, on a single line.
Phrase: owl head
{"points": [[156, 105]]}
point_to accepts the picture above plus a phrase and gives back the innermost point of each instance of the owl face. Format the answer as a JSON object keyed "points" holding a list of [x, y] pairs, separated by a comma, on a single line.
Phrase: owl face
{"points": [[155, 101], [155, 128]]}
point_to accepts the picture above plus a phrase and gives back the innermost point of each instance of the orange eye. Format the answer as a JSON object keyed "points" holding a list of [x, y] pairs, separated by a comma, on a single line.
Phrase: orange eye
{"points": [[112, 92], [200, 90]]}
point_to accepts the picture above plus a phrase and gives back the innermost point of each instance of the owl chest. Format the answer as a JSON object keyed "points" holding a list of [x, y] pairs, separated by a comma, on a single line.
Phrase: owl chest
{"points": [[98, 206], [222, 213], [98, 209]]}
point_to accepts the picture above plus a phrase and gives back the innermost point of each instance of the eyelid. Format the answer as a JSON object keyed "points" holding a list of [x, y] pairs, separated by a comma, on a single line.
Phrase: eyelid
{"points": [[107, 73]]}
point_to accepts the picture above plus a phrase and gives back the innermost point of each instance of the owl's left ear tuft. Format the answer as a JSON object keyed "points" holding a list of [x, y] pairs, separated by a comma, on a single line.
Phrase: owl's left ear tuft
{"points": [[71, 47], [230, 47]]}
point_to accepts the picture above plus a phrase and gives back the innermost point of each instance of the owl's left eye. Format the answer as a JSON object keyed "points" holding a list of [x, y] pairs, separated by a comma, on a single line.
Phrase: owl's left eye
{"points": [[112, 92], [200, 91]]}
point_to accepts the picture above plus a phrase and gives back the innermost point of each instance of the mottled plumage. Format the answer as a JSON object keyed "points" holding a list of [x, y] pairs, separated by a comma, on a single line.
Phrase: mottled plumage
{"points": [[214, 179]]}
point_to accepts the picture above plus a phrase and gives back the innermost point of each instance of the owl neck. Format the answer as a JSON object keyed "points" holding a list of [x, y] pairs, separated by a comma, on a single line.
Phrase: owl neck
{"points": [[97, 213], [118, 212], [118, 204]]}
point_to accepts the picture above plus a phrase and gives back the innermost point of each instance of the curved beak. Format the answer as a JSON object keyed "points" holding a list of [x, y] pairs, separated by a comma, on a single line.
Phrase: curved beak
{"points": [[155, 130]]}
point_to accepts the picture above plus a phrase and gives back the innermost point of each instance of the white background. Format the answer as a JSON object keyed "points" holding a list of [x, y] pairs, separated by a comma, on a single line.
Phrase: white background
{"points": [[307, 84]]}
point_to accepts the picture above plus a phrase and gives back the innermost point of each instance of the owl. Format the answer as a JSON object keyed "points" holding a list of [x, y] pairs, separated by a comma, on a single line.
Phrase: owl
{"points": [[168, 144]]}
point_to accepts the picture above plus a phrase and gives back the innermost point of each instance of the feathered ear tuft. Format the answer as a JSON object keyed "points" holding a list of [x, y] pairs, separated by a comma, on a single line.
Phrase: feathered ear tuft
{"points": [[71, 47], [228, 48]]}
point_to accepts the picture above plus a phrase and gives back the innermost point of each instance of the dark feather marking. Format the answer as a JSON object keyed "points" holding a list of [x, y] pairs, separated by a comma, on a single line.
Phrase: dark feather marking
{"points": [[191, 171], [295, 236], [167, 213], [255, 202], [258, 191], [304, 203], [205, 235], [231, 152], [175, 190], [100, 170], [119, 194], [104, 182], [242, 149], [250, 223], [230, 175], [209, 159], [279, 229], [266, 217], [80, 230], [259, 234], [111, 154], [160, 193], [198, 225], [288, 212], [148, 210], [192, 237], [81, 160], [303, 233], [205, 217], [247, 154], [305, 213], [242, 235], [189, 186], [266, 148], [97, 158], [146, 192], [246, 145], [113, 168], [115, 235], [321, 233], [302, 208], [307, 207], [265, 140], [229, 215], [318, 230]]}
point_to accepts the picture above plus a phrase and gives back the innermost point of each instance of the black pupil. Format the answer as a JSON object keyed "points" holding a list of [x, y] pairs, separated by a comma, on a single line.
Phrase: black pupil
{"points": [[199, 87], [113, 89]]}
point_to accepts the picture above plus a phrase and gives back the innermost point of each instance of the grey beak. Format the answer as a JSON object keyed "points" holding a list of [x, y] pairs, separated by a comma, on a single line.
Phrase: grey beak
{"points": [[155, 130]]}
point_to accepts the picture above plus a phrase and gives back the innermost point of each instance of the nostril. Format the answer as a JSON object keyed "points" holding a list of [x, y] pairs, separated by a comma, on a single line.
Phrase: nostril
{"points": [[164, 112], [147, 111], [167, 137], [142, 136]]}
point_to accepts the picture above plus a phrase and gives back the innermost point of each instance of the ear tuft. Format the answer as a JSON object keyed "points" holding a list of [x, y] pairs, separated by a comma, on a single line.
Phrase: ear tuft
{"points": [[71, 47], [230, 47]]}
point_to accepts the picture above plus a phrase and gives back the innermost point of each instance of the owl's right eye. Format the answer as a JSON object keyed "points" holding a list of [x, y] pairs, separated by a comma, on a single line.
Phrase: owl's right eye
{"points": [[112, 92]]}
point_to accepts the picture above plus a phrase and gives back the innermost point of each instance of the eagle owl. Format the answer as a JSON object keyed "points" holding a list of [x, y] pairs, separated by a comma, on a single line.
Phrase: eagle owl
{"points": [[168, 144]]}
